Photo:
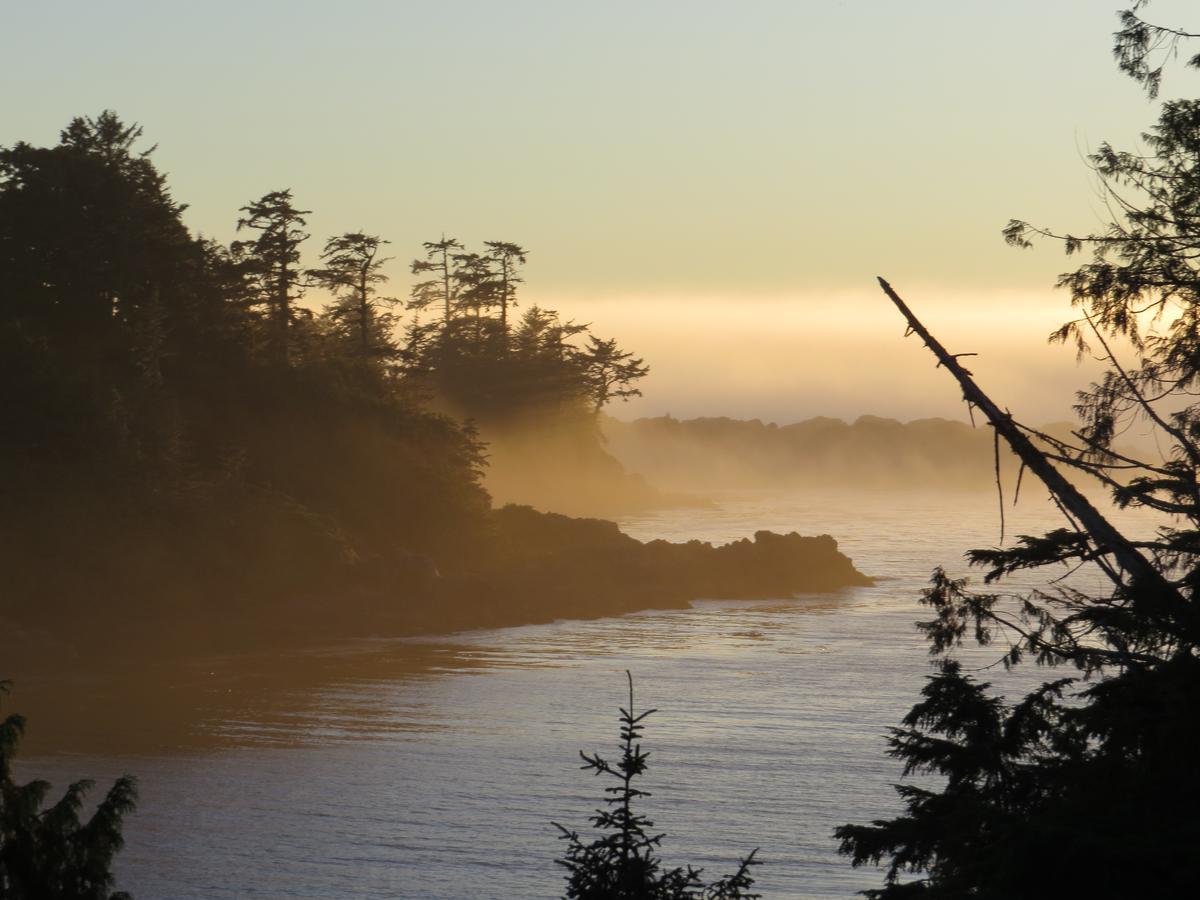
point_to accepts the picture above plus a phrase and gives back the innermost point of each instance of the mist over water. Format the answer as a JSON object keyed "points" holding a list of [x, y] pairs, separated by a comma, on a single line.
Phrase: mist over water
{"points": [[360, 437], [433, 768], [783, 357]]}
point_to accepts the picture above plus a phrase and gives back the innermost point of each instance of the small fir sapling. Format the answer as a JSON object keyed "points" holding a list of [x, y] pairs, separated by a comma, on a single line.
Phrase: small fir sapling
{"points": [[621, 864]]}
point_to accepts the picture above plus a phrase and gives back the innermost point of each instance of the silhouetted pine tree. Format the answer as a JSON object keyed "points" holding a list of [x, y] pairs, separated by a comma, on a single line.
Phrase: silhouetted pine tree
{"points": [[272, 260], [621, 864], [610, 371], [441, 289], [505, 257], [476, 362], [49, 853], [1088, 786], [352, 267]]}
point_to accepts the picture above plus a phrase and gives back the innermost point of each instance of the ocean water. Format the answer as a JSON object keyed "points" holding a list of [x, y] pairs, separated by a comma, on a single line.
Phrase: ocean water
{"points": [[434, 768]]}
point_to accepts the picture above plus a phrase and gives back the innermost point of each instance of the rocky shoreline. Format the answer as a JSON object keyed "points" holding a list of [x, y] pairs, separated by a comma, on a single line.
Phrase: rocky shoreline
{"points": [[538, 567], [549, 566]]}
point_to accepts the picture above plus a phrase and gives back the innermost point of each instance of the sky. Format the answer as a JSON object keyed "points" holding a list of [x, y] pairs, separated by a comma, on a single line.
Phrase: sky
{"points": [[716, 184]]}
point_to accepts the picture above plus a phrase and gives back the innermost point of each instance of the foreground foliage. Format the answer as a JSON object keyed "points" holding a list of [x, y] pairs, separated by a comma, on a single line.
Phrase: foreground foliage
{"points": [[621, 864], [1087, 786], [50, 853]]}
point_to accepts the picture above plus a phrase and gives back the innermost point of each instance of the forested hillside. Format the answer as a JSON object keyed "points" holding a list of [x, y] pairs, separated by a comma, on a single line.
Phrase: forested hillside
{"points": [[211, 442]]}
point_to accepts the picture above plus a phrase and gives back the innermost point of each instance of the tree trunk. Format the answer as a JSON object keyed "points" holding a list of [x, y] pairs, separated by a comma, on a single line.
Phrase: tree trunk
{"points": [[1100, 530]]}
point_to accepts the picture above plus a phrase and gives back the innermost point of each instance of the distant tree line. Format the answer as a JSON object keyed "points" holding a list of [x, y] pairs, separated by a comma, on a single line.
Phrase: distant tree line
{"points": [[870, 452]]}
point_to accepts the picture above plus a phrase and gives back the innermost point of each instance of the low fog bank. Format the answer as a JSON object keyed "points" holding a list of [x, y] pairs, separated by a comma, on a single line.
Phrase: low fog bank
{"points": [[792, 356], [561, 465], [711, 454]]}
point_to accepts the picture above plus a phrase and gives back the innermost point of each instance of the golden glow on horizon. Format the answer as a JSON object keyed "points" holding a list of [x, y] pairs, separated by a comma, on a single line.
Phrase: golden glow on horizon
{"points": [[786, 357]]}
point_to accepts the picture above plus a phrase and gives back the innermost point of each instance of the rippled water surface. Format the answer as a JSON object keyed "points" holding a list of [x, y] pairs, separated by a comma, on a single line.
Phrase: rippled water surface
{"points": [[433, 768]]}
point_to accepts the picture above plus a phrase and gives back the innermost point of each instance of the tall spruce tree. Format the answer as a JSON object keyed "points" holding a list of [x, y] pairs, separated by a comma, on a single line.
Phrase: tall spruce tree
{"points": [[273, 262], [506, 259], [440, 289], [352, 267], [1087, 786]]}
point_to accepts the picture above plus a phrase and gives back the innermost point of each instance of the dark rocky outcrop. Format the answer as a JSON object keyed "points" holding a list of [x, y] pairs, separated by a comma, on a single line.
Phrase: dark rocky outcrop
{"points": [[532, 567], [549, 566]]}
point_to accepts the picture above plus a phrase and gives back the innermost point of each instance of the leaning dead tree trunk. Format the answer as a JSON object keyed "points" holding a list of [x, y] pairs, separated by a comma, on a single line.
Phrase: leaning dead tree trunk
{"points": [[1107, 539]]}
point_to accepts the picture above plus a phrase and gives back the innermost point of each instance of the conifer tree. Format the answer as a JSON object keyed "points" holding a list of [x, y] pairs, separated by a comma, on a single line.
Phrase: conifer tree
{"points": [[611, 371], [440, 288], [621, 864], [505, 258], [1142, 49], [50, 853], [352, 267], [273, 262], [104, 291], [90, 237], [476, 294], [541, 333], [483, 367], [1087, 786]]}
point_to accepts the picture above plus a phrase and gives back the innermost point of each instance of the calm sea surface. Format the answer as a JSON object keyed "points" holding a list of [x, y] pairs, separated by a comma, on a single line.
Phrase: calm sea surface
{"points": [[434, 768]]}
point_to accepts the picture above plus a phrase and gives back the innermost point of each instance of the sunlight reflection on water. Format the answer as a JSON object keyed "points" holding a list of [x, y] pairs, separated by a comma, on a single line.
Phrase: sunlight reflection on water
{"points": [[433, 768]]}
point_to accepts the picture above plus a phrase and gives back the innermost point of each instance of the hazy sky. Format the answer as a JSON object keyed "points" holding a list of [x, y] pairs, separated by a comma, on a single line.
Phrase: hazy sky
{"points": [[716, 184]]}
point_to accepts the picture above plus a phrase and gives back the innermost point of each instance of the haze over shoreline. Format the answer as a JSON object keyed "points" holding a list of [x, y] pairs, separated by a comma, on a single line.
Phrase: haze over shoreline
{"points": [[789, 356]]}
